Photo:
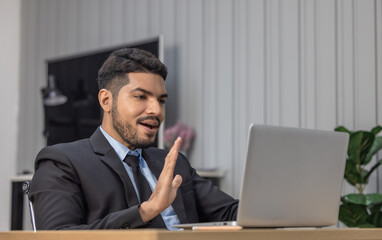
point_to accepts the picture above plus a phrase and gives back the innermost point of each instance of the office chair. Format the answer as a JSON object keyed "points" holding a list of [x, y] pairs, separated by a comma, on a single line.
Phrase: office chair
{"points": [[26, 187]]}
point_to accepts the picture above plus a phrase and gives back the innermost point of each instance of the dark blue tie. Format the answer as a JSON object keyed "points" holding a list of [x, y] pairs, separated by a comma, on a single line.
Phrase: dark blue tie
{"points": [[132, 159]]}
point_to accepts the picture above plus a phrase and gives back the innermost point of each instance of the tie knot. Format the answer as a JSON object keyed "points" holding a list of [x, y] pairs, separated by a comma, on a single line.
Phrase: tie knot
{"points": [[134, 153], [132, 159]]}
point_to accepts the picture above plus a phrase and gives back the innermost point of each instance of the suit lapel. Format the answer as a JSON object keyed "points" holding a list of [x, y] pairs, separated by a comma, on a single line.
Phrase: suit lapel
{"points": [[156, 166], [107, 155]]}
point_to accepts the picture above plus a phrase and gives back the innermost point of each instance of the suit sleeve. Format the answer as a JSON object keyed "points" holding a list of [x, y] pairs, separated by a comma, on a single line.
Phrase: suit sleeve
{"points": [[58, 200], [210, 202]]}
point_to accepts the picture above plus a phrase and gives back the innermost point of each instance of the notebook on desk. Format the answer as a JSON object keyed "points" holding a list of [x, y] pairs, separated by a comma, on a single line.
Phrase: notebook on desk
{"points": [[292, 178]]}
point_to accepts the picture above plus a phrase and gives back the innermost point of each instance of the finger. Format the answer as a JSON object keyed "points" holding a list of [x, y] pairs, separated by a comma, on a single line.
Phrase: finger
{"points": [[176, 146], [172, 156], [176, 182]]}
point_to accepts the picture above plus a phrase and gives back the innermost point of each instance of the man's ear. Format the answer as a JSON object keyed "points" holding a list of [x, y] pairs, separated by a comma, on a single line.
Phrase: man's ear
{"points": [[105, 99]]}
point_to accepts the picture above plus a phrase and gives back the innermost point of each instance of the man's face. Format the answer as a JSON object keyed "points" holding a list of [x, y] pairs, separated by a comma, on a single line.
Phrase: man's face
{"points": [[139, 109]]}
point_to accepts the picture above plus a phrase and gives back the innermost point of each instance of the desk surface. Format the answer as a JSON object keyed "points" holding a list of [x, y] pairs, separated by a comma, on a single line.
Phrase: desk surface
{"points": [[247, 234]]}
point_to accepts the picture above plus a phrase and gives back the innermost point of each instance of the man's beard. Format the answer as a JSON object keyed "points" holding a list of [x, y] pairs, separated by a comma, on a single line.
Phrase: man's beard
{"points": [[127, 132]]}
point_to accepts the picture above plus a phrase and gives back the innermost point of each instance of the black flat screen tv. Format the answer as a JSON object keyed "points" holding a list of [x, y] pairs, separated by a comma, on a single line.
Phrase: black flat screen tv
{"points": [[76, 77]]}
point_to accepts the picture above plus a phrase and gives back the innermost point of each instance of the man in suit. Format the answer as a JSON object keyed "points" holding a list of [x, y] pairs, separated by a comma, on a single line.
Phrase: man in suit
{"points": [[94, 184]]}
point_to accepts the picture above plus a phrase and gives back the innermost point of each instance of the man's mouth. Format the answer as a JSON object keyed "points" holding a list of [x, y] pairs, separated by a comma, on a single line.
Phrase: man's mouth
{"points": [[150, 123]]}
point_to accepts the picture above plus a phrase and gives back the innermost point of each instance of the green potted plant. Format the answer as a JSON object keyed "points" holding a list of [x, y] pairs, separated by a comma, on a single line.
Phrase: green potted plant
{"points": [[359, 209]]}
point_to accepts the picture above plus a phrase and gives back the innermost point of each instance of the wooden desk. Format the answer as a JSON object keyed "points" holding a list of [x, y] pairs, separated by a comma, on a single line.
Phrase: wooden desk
{"points": [[251, 234]]}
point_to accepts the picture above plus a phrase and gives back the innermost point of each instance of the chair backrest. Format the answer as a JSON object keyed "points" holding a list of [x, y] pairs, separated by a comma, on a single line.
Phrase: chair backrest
{"points": [[26, 187]]}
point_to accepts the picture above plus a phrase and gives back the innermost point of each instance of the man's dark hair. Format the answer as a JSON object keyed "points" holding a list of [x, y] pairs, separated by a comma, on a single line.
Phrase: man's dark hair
{"points": [[113, 73]]}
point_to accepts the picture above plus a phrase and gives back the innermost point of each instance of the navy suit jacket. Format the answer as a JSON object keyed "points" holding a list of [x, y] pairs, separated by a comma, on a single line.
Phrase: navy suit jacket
{"points": [[83, 185]]}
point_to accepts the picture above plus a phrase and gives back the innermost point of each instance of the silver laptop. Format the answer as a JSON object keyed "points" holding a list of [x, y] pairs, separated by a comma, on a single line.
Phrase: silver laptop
{"points": [[292, 178]]}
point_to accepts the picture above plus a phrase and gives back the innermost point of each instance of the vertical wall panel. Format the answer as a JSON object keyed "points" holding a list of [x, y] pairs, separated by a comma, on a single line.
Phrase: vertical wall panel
{"points": [[111, 22], [240, 84], [209, 88], [89, 10], [289, 63], [48, 24], [308, 64], [141, 19], [224, 88], [325, 65], [154, 17], [181, 65], [194, 83], [167, 29], [255, 57], [67, 41], [272, 62], [345, 63], [345, 70], [27, 132], [129, 20], [365, 68], [378, 29], [364, 38]]}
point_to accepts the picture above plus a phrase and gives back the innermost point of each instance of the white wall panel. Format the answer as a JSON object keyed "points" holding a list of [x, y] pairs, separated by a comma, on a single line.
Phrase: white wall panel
{"points": [[255, 64], [195, 68], [289, 63], [378, 24], [111, 22], [325, 65], [141, 19], [90, 31], [365, 49], [345, 63], [167, 29], [272, 59], [29, 120], [209, 89], [307, 63], [224, 87], [11, 28], [345, 70], [129, 24], [240, 82], [365, 67]]}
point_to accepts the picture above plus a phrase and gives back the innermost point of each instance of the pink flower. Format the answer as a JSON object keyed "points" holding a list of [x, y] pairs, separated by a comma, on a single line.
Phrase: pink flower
{"points": [[187, 133]]}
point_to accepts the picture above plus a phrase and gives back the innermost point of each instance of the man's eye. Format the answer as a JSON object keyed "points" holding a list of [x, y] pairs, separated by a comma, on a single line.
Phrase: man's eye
{"points": [[140, 97], [162, 101]]}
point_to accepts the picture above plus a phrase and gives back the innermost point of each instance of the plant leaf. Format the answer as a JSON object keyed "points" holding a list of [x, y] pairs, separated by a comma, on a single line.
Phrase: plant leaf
{"points": [[360, 143], [372, 169], [374, 149], [342, 129], [376, 130], [355, 198], [366, 144], [353, 215], [366, 225], [373, 199], [354, 148], [376, 215], [352, 174]]}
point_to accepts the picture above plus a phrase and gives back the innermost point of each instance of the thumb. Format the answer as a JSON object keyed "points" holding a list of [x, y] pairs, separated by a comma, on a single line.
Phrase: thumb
{"points": [[176, 182]]}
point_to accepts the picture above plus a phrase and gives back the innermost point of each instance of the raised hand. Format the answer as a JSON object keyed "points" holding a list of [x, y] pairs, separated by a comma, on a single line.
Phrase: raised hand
{"points": [[165, 191]]}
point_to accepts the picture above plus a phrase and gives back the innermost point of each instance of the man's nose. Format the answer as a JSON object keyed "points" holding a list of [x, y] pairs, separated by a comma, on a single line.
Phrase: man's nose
{"points": [[154, 107]]}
